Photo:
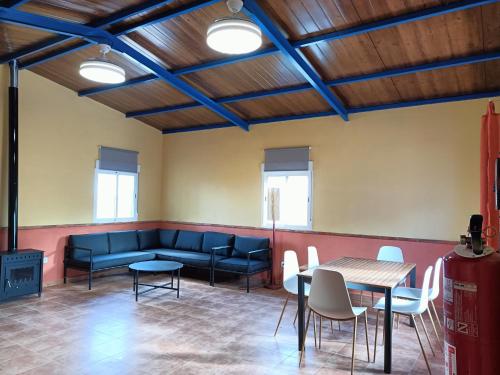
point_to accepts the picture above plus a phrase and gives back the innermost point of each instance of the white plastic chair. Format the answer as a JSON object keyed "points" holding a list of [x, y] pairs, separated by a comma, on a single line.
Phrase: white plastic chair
{"points": [[312, 257], [329, 299], [416, 293], [391, 254], [410, 308], [290, 280]]}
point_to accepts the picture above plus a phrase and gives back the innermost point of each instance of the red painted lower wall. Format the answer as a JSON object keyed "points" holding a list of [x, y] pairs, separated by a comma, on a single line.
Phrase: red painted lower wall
{"points": [[330, 245], [52, 240]]}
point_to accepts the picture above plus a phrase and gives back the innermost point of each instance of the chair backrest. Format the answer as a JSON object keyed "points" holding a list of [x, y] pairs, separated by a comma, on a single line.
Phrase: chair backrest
{"points": [[424, 297], [312, 257], [435, 281], [391, 254], [329, 293], [290, 271]]}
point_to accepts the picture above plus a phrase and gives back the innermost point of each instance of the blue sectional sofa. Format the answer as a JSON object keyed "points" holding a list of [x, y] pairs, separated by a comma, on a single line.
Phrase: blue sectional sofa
{"points": [[206, 250]]}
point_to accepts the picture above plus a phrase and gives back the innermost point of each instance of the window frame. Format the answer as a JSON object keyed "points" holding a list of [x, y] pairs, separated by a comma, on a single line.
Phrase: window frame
{"points": [[97, 171], [264, 175]]}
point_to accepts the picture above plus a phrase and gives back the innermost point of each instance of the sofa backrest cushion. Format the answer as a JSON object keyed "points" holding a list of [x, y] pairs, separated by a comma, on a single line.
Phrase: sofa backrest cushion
{"points": [[244, 244], [122, 241], [148, 239], [168, 238], [188, 240], [216, 239], [98, 242]]}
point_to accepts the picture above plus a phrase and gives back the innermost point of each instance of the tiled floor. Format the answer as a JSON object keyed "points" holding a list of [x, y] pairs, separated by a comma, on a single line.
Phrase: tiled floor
{"points": [[219, 330]]}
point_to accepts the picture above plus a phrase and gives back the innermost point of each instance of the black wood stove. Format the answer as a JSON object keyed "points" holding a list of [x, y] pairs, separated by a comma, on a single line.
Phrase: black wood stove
{"points": [[21, 271]]}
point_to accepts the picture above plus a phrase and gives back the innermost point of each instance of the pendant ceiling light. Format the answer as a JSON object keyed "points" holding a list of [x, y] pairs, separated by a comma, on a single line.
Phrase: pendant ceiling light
{"points": [[101, 70], [234, 35]]}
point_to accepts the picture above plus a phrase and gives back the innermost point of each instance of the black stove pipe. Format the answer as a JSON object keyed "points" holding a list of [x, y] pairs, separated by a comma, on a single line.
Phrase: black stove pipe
{"points": [[13, 158]]}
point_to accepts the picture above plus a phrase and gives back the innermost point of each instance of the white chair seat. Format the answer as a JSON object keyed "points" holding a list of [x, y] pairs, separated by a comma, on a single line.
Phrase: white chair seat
{"points": [[341, 315], [408, 293], [401, 306]]}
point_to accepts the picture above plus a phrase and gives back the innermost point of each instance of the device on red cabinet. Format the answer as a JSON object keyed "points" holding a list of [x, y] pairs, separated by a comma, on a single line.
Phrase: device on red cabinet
{"points": [[471, 285]]}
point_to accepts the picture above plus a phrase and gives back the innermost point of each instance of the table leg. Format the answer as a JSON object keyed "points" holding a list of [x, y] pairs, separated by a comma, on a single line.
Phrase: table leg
{"points": [[301, 302], [178, 281], [136, 279], [388, 331], [413, 284]]}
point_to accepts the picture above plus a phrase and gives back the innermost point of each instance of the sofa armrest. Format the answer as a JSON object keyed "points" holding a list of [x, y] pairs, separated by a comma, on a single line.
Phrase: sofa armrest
{"points": [[254, 252], [213, 250], [91, 251]]}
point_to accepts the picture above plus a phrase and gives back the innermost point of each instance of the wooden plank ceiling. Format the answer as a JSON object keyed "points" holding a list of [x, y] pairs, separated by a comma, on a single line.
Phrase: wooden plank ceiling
{"points": [[180, 42]]}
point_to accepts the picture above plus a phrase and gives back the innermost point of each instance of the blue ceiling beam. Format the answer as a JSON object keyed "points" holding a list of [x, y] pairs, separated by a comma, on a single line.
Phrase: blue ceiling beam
{"points": [[295, 56], [101, 36], [269, 120], [394, 21], [160, 17], [337, 82]]}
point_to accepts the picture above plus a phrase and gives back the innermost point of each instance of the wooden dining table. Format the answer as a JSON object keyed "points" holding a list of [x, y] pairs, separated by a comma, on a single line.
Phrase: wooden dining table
{"points": [[363, 274]]}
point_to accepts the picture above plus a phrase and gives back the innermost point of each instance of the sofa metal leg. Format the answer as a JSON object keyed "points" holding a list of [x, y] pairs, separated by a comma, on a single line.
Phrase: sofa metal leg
{"points": [[90, 280]]}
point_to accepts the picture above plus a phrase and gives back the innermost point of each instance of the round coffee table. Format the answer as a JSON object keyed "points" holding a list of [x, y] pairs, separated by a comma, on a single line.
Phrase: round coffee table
{"points": [[156, 266]]}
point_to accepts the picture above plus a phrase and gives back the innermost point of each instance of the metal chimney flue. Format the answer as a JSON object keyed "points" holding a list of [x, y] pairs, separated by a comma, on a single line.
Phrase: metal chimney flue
{"points": [[13, 159]]}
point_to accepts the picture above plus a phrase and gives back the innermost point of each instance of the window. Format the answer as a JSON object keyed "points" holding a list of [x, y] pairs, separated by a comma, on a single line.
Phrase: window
{"points": [[115, 196], [292, 192]]}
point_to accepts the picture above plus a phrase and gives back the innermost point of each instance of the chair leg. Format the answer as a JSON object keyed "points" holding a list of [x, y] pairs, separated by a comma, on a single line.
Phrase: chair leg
{"points": [[434, 327], [435, 313], [372, 300], [361, 298], [296, 315], [397, 321], [376, 332], [320, 324], [331, 325], [366, 335], [354, 343], [305, 335], [427, 335], [65, 273], [314, 327], [281, 315], [90, 279], [248, 284], [420, 342]]}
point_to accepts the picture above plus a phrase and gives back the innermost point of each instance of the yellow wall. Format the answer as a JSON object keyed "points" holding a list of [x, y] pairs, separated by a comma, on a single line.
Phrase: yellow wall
{"points": [[59, 138], [408, 172]]}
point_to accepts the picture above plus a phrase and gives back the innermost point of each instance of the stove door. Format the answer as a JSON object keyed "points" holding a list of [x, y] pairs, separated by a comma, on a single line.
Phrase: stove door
{"points": [[20, 278]]}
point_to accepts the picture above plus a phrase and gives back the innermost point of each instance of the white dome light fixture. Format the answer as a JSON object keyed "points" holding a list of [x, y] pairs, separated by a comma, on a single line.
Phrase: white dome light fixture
{"points": [[102, 71], [234, 35]]}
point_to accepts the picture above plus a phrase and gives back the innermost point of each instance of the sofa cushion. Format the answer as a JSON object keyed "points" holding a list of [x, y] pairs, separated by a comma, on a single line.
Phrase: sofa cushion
{"points": [[243, 244], [148, 239], [188, 258], [188, 240], [116, 259], [168, 238], [240, 265], [215, 239], [123, 241], [98, 242]]}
